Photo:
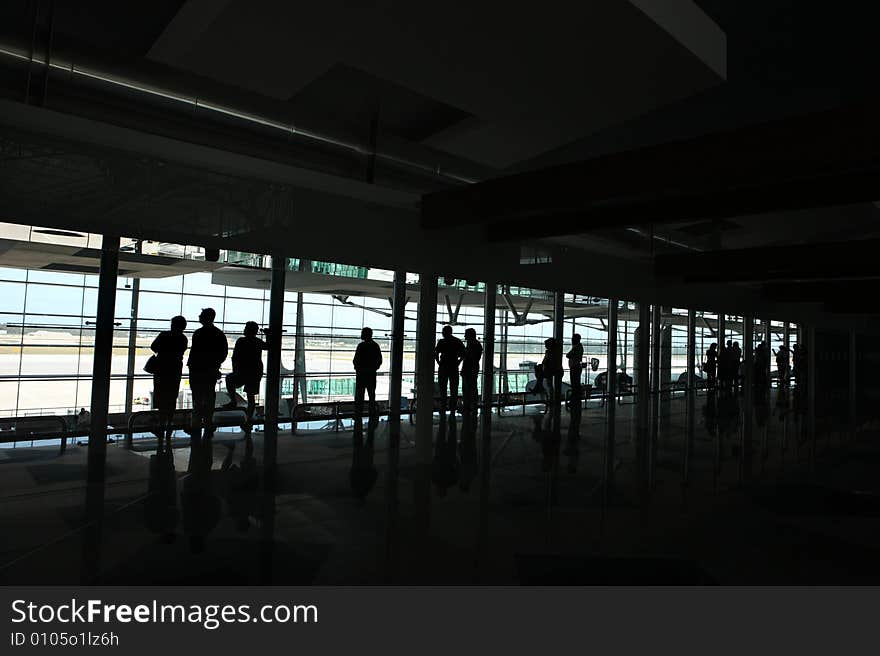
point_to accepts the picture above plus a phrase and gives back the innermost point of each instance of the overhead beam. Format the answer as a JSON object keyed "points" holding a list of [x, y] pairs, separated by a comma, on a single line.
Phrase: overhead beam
{"points": [[819, 159], [821, 261]]}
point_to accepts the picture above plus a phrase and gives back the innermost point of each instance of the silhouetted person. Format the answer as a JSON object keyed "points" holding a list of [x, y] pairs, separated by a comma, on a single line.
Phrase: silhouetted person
{"points": [[242, 485], [725, 354], [206, 354], [735, 359], [783, 366], [169, 347], [575, 358], [83, 419], [711, 366], [550, 369], [367, 360], [247, 368], [761, 365], [444, 470], [470, 367], [160, 507], [363, 472], [449, 354]]}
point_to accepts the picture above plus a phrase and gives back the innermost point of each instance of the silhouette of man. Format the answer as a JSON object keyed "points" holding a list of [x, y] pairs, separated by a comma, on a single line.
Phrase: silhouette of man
{"points": [[711, 366], [470, 368], [448, 353], [783, 366], [735, 359], [207, 352], [575, 365], [247, 368], [367, 360]]}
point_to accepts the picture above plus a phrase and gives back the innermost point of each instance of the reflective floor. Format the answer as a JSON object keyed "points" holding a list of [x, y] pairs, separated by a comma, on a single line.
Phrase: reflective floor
{"points": [[750, 494]]}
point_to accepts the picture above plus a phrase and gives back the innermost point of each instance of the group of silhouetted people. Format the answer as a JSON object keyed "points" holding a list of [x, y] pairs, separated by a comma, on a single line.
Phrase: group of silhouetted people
{"points": [[207, 353], [723, 368]]}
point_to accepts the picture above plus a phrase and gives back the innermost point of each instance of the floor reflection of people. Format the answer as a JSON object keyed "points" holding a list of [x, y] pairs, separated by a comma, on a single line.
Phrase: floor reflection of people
{"points": [[710, 412], [198, 500], [468, 450], [160, 508], [444, 470], [572, 443], [728, 415], [363, 473], [242, 485]]}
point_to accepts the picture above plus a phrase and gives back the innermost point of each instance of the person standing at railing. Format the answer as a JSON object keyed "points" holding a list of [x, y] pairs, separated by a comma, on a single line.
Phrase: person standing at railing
{"points": [[449, 354], [367, 360], [169, 347], [247, 368], [208, 352], [575, 358], [470, 367], [711, 366]]}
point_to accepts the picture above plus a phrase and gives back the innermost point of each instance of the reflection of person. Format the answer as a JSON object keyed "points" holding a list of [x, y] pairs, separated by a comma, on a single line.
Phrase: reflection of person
{"points": [[208, 351], [444, 470], [198, 501], [470, 367], [363, 473], [169, 347], [242, 485], [367, 360], [247, 368], [448, 353], [160, 508]]}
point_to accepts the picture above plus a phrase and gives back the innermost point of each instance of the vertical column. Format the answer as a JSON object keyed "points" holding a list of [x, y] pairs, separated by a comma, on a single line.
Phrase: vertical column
{"points": [[132, 340], [103, 356], [425, 338], [273, 360], [299, 365], [558, 331], [655, 371], [690, 398], [853, 403], [395, 387], [786, 342], [810, 335], [768, 352], [643, 346], [488, 357], [611, 395], [748, 393]]}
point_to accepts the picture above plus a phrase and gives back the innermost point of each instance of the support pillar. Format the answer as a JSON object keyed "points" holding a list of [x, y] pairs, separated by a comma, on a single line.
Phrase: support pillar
{"points": [[425, 339], [300, 386], [655, 373], [767, 341], [643, 396], [853, 399], [395, 387], [558, 331], [786, 341], [132, 340], [102, 359], [810, 334], [611, 396], [488, 358], [273, 360], [690, 398], [748, 396]]}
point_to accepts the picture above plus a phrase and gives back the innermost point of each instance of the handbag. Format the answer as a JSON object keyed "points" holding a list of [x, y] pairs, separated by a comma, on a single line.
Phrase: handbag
{"points": [[152, 365]]}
